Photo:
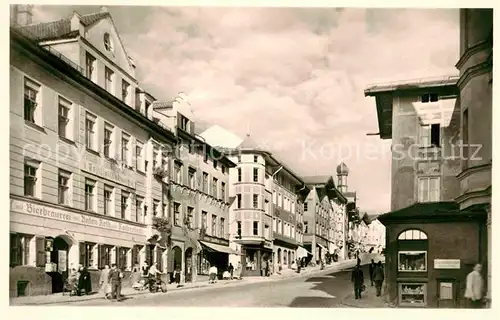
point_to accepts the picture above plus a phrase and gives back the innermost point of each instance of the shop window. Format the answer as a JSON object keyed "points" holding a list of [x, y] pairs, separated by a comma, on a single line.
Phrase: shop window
{"points": [[135, 255], [87, 255], [19, 249], [121, 258], [412, 261], [412, 294], [104, 252]]}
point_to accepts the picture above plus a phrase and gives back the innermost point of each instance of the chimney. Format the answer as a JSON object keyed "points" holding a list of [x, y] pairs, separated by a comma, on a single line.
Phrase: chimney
{"points": [[104, 9], [76, 23], [21, 14]]}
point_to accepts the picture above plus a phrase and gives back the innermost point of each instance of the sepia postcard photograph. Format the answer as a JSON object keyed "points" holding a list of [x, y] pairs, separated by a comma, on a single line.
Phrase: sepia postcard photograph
{"points": [[181, 155]]}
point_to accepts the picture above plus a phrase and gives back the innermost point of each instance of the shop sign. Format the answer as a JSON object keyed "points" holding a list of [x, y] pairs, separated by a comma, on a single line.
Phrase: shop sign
{"points": [[61, 261], [113, 175], [72, 217], [446, 263]]}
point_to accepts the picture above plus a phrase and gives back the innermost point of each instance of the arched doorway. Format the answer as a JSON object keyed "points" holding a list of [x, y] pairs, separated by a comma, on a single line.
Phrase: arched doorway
{"points": [[285, 256], [59, 256], [177, 253], [188, 269], [279, 256]]}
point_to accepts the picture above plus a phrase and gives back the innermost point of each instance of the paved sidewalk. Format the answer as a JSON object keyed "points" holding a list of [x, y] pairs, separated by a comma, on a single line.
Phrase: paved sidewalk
{"points": [[288, 273], [368, 299]]}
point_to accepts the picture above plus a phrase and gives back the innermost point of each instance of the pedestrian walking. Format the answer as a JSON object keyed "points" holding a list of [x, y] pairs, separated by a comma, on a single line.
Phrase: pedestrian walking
{"points": [[378, 277], [474, 289], [212, 274], [239, 270], [104, 282], [84, 282], [231, 270], [358, 281], [372, 269], [115, 279]]}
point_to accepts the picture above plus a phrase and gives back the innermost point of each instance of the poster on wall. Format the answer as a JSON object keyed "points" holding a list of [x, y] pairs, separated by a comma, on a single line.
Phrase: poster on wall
{"points": [[61, 261]]}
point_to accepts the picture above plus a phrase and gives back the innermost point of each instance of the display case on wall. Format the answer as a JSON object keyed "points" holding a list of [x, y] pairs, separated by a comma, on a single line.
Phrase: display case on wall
{"points": [[412, 261], [413, 294]]}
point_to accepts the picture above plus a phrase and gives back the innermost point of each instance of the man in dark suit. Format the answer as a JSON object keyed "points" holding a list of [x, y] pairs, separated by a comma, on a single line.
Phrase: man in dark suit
{"points": [[357, 280], [115, 279]]}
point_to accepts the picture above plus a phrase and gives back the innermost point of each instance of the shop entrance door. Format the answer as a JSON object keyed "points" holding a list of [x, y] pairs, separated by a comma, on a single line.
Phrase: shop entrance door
{"points": [[188, 269], [59, 256], [446, 294]]}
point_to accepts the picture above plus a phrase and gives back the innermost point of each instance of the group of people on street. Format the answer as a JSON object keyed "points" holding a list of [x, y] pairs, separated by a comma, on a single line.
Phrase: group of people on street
{"points": [[376, 271], [79, 281], [111, 282]]}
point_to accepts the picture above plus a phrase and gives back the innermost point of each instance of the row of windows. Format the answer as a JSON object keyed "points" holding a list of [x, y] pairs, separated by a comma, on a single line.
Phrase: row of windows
{"points": [[216, 189], [256, 204], [284, 228], [218, 227], [255, 230], [255, 175], [283, 202]]}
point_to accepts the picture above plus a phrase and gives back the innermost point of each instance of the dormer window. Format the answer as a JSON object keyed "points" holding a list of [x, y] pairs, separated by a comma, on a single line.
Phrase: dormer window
{"points": [[125, 89], [108, 43], [184, 123]]}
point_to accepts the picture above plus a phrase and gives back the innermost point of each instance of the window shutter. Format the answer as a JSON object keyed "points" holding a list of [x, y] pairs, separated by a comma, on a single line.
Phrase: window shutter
{"points": [[14, 249], [118, 259], [134, 256], [100, 256], [82, 253], [40, 251]]}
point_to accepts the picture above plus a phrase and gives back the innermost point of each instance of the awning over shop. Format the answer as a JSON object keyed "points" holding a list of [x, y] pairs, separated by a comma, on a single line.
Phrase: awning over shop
{"points": [[212, 247], [302, 252]]}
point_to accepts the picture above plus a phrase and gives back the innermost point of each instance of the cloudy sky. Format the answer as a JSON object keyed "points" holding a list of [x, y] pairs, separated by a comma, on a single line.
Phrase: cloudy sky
{"points": [[293, 77]]}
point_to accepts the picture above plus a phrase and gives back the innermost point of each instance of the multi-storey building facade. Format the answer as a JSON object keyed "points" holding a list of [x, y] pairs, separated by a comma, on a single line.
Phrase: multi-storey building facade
{"points": [[431, 242], [287, 214], [317, 213], [87, 197], [475, 85], [117, 180], [264, 210], [340, 228], [375, 237], [198, 194]]}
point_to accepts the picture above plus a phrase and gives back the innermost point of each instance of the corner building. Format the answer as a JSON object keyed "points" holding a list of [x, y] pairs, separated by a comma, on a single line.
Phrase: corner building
{"points": [[431, 242], [82, 186]]}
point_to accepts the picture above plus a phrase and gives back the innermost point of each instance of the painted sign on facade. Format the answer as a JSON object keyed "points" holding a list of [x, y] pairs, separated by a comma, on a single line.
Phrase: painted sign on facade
{"points": [[446, 263], [113, 175], [72, 217]]}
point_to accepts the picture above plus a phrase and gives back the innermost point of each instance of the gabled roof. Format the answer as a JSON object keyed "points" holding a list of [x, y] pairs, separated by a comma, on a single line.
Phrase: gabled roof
{"points": [[60, 29]]}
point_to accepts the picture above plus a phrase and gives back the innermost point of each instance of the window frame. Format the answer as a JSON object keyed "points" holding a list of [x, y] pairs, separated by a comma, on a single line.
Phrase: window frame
{"points": [[90, 132], [34, 177], [64, 120], [124, 204], [64, 175], [90, 203], [32, 102], [108, 201], [421, 193]]}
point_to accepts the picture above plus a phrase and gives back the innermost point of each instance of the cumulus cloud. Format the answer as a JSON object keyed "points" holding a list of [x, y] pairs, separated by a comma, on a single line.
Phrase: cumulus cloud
{"points": [[294, 76]]}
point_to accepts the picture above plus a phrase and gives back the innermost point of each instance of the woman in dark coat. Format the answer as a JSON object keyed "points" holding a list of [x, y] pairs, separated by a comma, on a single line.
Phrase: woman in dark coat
{"points": [[84, 283]]}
